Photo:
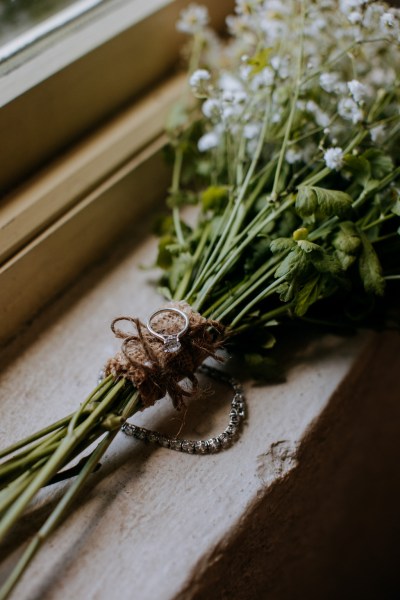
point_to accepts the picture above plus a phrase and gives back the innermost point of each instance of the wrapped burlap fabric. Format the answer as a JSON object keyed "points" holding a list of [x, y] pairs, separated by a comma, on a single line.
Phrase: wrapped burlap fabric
{"points": [[155, 372]]}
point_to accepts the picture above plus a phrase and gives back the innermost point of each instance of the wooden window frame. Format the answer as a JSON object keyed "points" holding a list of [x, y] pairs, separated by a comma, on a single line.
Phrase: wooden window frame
{"points": [[73, 195]]}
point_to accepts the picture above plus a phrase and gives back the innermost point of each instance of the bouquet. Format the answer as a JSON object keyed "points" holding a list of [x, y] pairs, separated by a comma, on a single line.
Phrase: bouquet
{"points": [[290, 154]]}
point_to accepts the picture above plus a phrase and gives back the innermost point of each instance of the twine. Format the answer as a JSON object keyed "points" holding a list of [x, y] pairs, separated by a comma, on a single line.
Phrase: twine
{"points": [[156, 373]]}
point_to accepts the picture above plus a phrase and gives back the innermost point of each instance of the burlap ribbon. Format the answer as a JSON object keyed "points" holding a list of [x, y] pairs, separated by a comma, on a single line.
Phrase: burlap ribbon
{"points": [[143, 360]]}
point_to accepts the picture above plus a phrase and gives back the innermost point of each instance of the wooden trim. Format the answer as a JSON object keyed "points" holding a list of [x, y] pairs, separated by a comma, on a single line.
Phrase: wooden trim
{"points": [[54, 191], [40, 271], [52, 114]]}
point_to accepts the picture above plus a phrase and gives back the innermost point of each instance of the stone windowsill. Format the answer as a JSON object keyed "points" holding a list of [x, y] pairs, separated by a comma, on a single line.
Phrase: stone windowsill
{"points": [[299, 507]]}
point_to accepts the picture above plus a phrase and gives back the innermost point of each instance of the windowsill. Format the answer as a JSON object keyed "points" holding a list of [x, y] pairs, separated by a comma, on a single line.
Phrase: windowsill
{"points": [[157, 524]]}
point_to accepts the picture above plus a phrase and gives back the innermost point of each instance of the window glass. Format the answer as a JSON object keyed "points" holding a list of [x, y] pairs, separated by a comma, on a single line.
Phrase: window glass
{"points": [[24, 22]]}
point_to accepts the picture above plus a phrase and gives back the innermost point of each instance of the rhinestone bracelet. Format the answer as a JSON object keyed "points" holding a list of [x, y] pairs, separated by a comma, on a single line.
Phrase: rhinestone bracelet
{"points": [[210, 446]]}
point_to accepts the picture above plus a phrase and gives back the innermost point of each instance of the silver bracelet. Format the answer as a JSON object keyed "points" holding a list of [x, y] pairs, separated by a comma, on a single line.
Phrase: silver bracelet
{"points": [[210, 446]]}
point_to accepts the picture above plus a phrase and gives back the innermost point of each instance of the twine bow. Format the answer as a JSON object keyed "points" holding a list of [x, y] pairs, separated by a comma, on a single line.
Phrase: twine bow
{"points": [[153, 371]]}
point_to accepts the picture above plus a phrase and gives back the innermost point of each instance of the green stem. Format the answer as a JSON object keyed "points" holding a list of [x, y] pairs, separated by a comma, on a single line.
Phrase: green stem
{"points": [[269, 316], [259, 277], [261, 296], [176, 175], [62, 507], [378, 221], [36, 436], [60, 457], [184, 283], [236, 253], [293, 109]]}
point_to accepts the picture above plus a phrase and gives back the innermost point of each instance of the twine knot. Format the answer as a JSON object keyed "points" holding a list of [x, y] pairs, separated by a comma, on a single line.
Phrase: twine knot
{"points": [[157, 371]]}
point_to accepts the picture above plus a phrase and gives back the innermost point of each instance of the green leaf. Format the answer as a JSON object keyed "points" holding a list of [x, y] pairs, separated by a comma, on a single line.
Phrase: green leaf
{"points": [[312, 200], [259, 61], [307, 246], [307, 295], [325, 262], [370, 268], [261, 367], [306, 201], [163, 225], [332, 202], [359, 168], [346, 260], [285, 291], [269, 341], [294, 261], [381, 164], [347, 239], [282, 245], [181, 198], [396, 207], [215, 198], [164, 257]]}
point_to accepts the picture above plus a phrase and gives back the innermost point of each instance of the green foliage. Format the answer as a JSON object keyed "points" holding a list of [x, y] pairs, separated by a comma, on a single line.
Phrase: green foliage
{"points": [[370, 268], [261, 367], [307, 295], [381, 164], [322, 203], [259, 60], [215, 198], [164, 256], [181, 198]]}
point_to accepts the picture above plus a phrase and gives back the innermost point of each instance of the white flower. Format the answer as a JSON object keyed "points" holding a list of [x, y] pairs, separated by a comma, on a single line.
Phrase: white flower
{"points": [[192, 19], [292, 156], [387, 21], [251, 131], [198, 82], [328, 81], [349, 110], [378, 134], [263, 79], [208, 141], [347, 6], [211, 108], [321, 118], [357, 90], [355, 17], [247, 7], [237, 26], [334, 158], [229, 83]]}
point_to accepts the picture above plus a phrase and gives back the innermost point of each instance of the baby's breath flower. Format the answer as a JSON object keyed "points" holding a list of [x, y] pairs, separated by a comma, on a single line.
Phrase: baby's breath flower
{"points": [[251, 130], [229, 83], [328, 81], [378, 134], [357, 90], [355, 17], [247, 7], [192, 19], [263, 79], [237, 25], [211, 108], [349, 110], [390, 23], [333, 158], [293, 155], [208, 141], [198, 81], [347, 6]]}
